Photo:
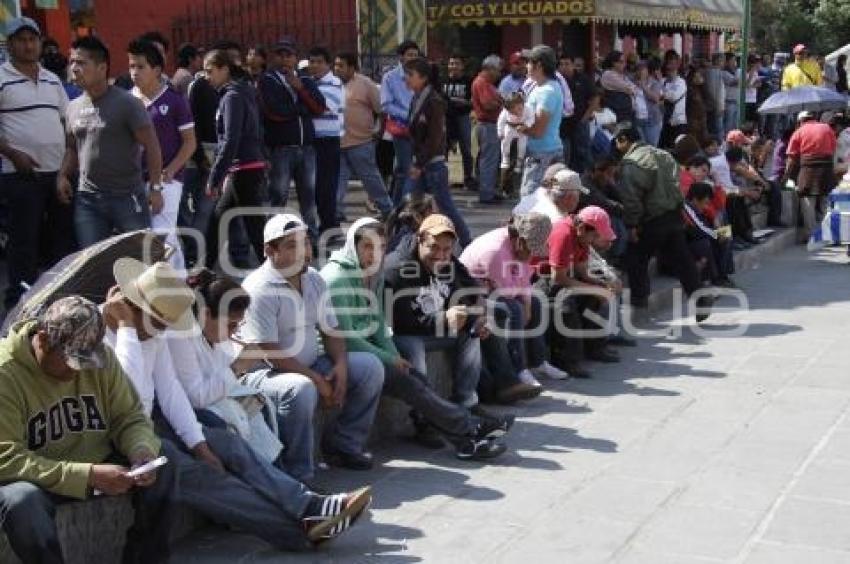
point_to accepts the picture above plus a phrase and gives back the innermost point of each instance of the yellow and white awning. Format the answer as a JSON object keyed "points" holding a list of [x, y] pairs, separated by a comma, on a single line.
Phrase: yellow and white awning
{"points": [[699, 14]]}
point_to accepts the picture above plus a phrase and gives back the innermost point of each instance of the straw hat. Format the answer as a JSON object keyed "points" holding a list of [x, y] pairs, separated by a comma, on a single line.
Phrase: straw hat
{"points": [[158, 290]]}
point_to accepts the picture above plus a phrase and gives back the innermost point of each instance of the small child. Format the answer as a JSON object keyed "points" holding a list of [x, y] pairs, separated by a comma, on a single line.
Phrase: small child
{"points": [[710, 247], [514, 114], [698, 169]]}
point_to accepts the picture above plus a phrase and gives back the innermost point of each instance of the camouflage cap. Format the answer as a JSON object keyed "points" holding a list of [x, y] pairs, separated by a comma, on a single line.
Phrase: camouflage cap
{"points": [[534, 228], [75, 326]]}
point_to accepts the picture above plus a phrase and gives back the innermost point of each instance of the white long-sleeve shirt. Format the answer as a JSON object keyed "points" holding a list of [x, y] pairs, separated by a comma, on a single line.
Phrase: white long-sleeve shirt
{"points": [[675, 92], [151, 370], [202, 369], [507, 119]]}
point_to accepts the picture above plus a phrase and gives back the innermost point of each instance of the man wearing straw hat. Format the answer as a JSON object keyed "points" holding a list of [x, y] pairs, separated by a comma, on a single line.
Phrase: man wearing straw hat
{"points": [[224, 479]]}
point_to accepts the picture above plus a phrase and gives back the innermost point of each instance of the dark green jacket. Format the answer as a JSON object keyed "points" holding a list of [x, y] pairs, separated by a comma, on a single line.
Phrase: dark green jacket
{"points": [[649, 178]]}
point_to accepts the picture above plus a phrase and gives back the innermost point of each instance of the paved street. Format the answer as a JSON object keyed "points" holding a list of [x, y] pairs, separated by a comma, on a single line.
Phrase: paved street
{"points": [[718, 449]]}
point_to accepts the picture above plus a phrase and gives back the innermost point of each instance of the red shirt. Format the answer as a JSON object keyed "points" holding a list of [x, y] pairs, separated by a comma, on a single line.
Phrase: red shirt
{"points": [[485, 92], [718, 202], [565, 251], [812, 139]]}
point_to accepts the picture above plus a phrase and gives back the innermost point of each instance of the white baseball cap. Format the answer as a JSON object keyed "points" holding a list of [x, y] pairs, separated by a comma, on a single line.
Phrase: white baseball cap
{"points": [[568, 179], [281, 225]]}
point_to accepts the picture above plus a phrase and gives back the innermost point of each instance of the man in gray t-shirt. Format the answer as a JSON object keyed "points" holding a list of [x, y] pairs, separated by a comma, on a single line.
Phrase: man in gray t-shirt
{"points": [[107, 130]]}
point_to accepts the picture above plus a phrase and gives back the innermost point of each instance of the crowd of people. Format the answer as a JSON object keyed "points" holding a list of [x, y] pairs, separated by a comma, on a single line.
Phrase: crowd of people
{"points": [[224, 374]]}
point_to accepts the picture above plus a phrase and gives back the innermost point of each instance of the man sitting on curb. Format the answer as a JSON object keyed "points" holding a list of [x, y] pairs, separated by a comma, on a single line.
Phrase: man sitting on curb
{"points": [[500, 259], [434, 295], [70, 423], [355, 280], [290, 309], [56, 367], [569, 254]]}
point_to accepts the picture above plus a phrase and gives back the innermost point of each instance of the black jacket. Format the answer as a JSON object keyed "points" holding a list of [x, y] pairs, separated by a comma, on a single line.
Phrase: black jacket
{"points": [[287, 113], [237, 126], [420, 298], [203, 101]]}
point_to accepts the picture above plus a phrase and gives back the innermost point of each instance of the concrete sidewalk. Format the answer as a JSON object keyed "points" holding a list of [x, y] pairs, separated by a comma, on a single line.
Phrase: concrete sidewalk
{"points": [[715, 449]]}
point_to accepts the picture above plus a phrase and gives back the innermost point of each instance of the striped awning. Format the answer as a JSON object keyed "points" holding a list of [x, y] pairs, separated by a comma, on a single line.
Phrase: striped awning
{"points": [[697, 14]]}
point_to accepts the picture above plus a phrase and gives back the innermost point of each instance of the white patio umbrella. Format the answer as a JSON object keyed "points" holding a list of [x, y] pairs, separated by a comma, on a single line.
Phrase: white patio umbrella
{"points": [[811, 98]]}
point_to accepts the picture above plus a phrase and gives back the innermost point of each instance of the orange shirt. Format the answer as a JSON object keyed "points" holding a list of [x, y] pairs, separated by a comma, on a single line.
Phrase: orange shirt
{"points": [[812, 139]]}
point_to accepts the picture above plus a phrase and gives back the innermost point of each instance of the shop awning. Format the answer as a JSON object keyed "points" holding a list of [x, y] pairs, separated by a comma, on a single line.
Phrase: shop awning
{"points": [[699, 14]]}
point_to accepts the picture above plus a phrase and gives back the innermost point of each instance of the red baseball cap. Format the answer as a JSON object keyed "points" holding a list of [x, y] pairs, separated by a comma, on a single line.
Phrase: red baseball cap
{"points": [[799, 48], [598, 219], [737, 137]]}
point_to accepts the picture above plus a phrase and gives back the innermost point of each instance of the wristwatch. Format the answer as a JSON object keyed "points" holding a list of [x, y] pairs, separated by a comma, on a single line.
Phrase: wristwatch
{"points": [[156, 187]]}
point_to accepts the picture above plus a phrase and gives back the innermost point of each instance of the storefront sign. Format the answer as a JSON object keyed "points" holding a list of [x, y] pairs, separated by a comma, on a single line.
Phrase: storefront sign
{"points": [[463, 11]]}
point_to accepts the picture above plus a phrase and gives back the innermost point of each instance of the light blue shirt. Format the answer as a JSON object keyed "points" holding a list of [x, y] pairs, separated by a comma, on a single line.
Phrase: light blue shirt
{"points": [[547, 98], [395, 95], [509, 85]]}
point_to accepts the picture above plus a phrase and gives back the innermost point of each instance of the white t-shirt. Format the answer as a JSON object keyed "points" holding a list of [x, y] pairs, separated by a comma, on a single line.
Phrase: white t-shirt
{"points": [[31, 116], [280, 314], [721, 174], [538, 202]]}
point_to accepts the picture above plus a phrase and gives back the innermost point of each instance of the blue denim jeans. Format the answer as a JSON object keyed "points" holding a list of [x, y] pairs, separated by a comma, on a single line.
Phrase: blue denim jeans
{"points": [[535, 166], [294, 397], [359, 161], [97, 215], [730, 117], [299, 164], [460, 129], [196, 210], [489, 154], [435, 181], [649, 132], [349, 432], [526, 351], [467, 366], [252, 495], [403, 149]]}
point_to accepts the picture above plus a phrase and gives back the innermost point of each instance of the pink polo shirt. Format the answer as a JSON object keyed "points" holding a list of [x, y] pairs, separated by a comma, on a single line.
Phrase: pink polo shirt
{"points": [[490, 259]]}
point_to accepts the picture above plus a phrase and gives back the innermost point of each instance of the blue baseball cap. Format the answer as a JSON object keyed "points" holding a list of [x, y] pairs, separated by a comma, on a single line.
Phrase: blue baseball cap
{"points": [[17, 24]]}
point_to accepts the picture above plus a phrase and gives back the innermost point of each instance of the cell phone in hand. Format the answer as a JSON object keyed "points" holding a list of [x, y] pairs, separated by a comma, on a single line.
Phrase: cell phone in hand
{"points": [[148, 467]]}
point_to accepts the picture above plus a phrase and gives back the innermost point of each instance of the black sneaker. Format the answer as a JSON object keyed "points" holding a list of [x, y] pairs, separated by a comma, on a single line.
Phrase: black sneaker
{"points": [[704, 304], [478, 449], [362, 461], [621, 340], [603, 355], [576, 372], [494, 427]]}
